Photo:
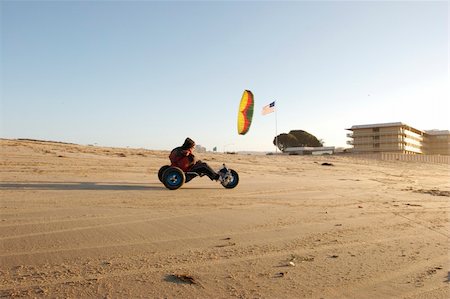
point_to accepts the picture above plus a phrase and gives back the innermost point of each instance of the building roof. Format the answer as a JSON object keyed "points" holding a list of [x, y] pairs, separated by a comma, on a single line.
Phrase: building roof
{"points": [[399, 124], [438, 132], [396, 124]]}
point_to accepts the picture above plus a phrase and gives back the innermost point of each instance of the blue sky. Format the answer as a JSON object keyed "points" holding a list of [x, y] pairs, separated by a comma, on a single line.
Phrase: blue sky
{"points": [[148, 74]]}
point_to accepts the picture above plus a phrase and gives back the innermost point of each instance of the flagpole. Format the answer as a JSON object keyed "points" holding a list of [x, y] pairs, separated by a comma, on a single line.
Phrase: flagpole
{"points": [[276, 131]]}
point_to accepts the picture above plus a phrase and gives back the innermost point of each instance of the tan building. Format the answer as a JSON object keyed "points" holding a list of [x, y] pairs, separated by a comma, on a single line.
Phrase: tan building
{"points": [[398, 137], [437, 142]]}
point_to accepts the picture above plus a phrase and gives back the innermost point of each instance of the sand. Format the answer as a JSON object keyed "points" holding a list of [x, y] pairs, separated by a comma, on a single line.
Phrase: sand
{"points": [[92, 222]]}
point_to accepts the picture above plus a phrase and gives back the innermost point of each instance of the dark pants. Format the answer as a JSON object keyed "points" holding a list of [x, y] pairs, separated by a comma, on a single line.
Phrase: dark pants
{"points": [[203, 168]]}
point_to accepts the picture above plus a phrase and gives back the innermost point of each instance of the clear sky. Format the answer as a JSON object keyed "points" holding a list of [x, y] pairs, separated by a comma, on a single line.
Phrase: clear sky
{"points": [[150, 73]]}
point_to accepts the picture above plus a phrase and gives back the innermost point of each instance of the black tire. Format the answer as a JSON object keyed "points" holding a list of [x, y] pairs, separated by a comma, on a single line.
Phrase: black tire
{"points": [[234, 181], [173, 178], [161, 171]]}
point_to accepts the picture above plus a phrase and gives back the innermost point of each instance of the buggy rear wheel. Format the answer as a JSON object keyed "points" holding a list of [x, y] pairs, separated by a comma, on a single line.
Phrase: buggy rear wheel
{"points": [[173, 178], [161, 172]]}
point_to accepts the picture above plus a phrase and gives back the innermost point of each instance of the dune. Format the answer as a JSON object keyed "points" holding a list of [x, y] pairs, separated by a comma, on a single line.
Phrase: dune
{"points": [[95, 222]]}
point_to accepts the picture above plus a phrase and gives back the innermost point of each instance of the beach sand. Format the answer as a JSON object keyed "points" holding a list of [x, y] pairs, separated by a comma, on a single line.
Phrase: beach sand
{"points": [[93, 222]]}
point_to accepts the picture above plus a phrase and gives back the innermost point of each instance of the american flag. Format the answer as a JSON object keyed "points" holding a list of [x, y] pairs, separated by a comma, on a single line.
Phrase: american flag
{"points": [[268, 108]]}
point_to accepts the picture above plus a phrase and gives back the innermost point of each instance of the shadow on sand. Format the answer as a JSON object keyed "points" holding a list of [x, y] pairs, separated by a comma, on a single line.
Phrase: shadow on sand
{"points": [[78, 186]]}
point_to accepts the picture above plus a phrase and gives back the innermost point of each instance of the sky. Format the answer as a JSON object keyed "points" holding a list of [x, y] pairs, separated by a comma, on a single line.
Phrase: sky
{"points": [[148, 74]]}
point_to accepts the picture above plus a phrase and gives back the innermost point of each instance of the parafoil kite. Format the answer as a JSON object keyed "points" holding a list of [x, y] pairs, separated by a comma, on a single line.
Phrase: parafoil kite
{"points": [[245, 113]]}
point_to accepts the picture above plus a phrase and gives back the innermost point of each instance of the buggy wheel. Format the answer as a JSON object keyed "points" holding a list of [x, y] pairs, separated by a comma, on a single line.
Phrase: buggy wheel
{"points": [[232, 181], [173, 178], [161, 171]]}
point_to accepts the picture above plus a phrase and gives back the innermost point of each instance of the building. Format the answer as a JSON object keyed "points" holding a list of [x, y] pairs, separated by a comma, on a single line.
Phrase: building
{"points": [[200, 149], [398, 137], [323, 150], [437, 142]]}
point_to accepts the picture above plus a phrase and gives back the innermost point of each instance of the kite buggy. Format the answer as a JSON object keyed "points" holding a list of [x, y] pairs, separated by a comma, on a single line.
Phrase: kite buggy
{"points": [[184, 166], [173, 177]]}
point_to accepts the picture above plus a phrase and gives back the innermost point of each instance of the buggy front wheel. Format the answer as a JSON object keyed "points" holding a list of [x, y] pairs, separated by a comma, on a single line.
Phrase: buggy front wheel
{"points": [[231, 180]]}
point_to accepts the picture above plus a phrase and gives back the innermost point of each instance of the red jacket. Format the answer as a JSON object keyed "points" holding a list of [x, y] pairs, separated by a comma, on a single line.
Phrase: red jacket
{"points": [[182, 158]]}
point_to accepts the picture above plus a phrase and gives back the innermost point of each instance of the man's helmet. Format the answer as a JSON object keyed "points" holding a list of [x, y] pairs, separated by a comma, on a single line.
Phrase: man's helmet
{"points": [[188, 143]]}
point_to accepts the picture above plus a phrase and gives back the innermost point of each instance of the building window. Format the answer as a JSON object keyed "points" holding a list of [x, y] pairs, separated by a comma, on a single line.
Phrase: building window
{"points": [[376, 145], [376, 130]]}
